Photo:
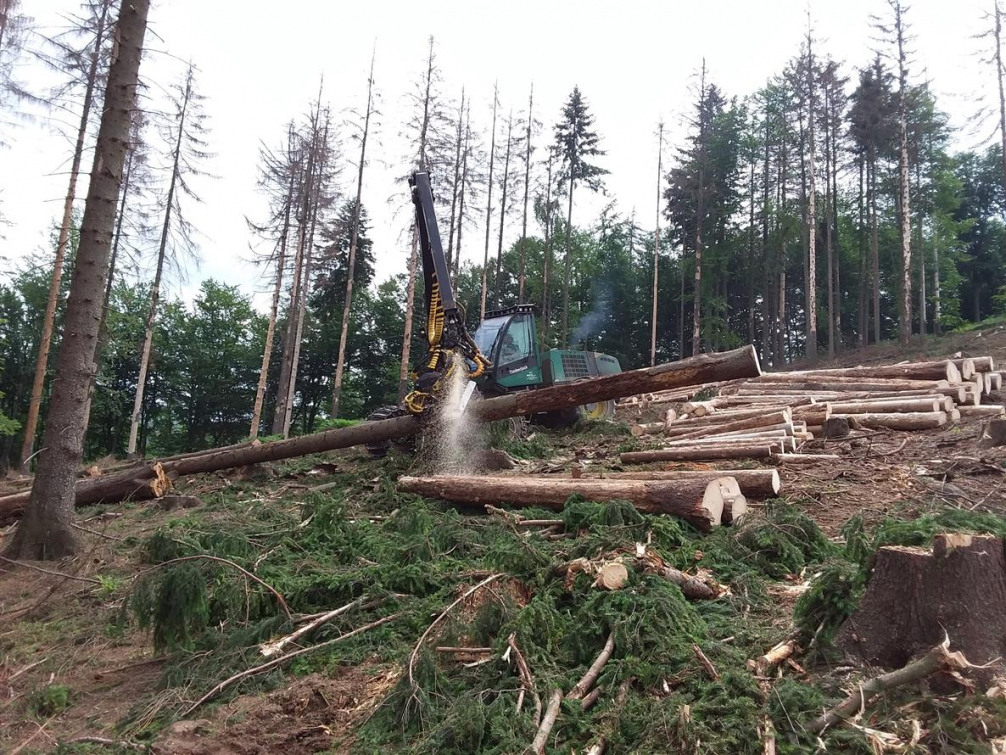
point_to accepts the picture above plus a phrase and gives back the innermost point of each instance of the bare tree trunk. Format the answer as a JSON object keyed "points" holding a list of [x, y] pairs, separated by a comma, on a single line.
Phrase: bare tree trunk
{"points": [[456, 186], [346, 310], [921, 249], [681, 306], [656, 246], [155, 289], [782, 320], [489, 207], [527, 190], [506, 186], [937, 326], [811, 214], [874, 243], [46, 531], [403, 372], [410, 303], [751, 252], [464, 184], [999, 83], [829, 200], [905, 329], [270, 334], [767, 319], [697, 292], [546, 308], [55, 282], [836, 302], [567, 265], [315, 197], [290, 333], [864, 320]]}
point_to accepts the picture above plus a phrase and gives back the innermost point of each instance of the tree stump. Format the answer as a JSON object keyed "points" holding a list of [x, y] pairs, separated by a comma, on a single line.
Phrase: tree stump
{"points": [[994, 434], [835, 427], [915, 595]]}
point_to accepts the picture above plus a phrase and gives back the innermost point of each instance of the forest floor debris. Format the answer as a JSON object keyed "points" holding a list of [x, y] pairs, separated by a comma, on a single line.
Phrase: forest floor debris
{"points": [[113, 657]]}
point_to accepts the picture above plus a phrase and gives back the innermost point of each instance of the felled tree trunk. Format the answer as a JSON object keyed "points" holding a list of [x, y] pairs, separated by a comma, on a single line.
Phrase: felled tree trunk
{"points": [[696, 501], [700, 369], [702, 452], [944, 370], [757, 483], [136, 485], [899, 420], [915, 596]]}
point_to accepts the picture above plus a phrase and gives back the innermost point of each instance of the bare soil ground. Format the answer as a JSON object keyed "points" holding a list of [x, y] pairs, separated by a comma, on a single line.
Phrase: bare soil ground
{"points": [[60, 628]]}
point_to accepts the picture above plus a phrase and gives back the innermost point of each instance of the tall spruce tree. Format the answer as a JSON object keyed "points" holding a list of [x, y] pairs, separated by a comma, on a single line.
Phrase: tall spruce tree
{"points": [[577, 143]]}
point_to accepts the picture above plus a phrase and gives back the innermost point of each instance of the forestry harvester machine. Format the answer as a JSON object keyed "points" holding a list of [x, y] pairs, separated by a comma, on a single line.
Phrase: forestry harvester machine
{"points": [[501, 357]]}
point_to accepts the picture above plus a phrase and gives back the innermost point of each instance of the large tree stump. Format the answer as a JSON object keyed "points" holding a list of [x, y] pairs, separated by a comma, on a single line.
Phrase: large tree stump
{"points": [[914, 596]]}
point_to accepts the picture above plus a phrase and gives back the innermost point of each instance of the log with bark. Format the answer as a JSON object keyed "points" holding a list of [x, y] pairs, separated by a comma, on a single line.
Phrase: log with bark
{"points": [[898, 420], [805, 458], [690, 424], [984, 364], [942, 370], [708, 452], [839, 385], [750, 423], [696, 501], [888, 406], [140, 484], [697, 370], [984, 411], [754, 483], [915, 594]]}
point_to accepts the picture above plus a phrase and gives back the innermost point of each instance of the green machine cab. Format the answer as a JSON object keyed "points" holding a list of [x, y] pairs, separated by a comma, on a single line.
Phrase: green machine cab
{"points": [[509, 338]]}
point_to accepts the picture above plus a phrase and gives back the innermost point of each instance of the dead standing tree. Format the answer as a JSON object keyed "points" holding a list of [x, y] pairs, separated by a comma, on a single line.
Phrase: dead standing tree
{"points": [[46, 532], [187, 136], [894, 32], [811, 199], [279, 177], [86, 63], [315, 195], [527, 156], [425, 127], [656, 243], [489, 204], [354, 238]]}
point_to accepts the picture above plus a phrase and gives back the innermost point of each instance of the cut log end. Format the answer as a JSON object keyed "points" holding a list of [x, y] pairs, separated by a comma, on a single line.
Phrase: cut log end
{"points": [[612, 576]]}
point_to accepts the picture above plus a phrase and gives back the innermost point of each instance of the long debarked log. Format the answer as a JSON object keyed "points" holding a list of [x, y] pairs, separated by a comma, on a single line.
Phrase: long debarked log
{"points": [[696, 501], [944, 370], [700, 453], [704, 368], [888, 406], [756, 483], [899, 421]]}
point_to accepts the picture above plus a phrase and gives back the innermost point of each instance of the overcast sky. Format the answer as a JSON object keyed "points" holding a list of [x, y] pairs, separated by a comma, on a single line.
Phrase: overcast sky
{"points": [[260, 63]]}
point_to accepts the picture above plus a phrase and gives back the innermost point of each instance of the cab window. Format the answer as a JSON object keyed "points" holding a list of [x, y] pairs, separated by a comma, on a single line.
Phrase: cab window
{"points": [[517, 340]]}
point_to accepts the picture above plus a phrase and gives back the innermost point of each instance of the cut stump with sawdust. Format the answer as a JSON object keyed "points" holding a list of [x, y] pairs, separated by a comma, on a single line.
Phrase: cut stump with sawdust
{"points": [[915, 597]]}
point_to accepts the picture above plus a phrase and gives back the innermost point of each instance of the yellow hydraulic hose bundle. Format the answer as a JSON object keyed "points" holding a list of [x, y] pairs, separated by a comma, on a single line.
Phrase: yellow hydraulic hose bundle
{"points": [[442, 360]]}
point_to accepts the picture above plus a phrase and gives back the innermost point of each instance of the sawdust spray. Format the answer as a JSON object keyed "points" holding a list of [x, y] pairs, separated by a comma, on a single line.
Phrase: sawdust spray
{"points": [[457, 437]]}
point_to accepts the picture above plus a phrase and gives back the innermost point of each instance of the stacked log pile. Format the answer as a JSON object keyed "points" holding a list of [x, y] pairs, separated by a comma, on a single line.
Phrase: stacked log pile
{"points": [[773, 415]]}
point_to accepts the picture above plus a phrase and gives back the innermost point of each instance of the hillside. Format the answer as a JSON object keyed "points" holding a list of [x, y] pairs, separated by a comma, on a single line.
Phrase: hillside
{"points": [[113, 651]]}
